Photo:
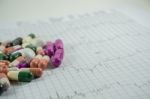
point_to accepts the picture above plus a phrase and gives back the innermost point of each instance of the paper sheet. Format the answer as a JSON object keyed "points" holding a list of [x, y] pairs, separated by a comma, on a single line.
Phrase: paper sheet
{"points": [[107, 56]]}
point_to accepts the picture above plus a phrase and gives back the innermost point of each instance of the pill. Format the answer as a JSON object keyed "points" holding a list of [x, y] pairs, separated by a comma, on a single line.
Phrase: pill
{"points": [[57, 58], [58, 44], [23, 64], [13, 56], [32, 35], [31, 47], [27, 53], [22, 76], [4, 83], [8, 44], [6, 62], [40, 51], [2, 56], [16, 62], [43, 63], [2, 48], [37, 72], [12, 49], [17, 41], [25, 44], [37, 42], [5, 69], [35, 61], [49, 50]]}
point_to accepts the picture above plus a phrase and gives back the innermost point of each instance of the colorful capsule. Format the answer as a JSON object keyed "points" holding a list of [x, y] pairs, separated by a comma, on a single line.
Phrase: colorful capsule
{"points": [[16, 62], [5, 69], [2, 48], [27, 53], [12, 49], [59, 44], [35, 61], [40, 51], [37, 72], [22, 76], [17, 41], [4, 83], [57, 58], [2, 56], [29, 38], [31, 47], [23, 64], [13, 56], [49, 49], [44, 62], [37, 42]]}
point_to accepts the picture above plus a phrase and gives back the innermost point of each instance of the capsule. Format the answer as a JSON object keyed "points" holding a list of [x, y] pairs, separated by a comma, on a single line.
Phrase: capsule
{"points": [[13, 56], [27, 53], [16, 62], [2, 56], [37, 42], [23, 64], [57, 58], [44, 62], [2, 48], [31, 47], [4, 83], [22, 76], [59, 44], [35, 61], [12, 49], [49, 50], [5, 69], [37, 72], [29, 38], [40, 51], [17, 41]]}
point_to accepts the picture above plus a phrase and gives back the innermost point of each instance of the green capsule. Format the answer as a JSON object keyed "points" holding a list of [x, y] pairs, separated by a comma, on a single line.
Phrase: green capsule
{"points": [[31, 47], [32, 35], [2, 56], [23, 76], [14, 56]]}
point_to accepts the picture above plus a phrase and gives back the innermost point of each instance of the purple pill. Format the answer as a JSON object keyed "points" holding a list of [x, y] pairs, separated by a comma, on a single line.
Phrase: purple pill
{"points": [[49, 50], [57, 58], [58, 44], [23, 65]]}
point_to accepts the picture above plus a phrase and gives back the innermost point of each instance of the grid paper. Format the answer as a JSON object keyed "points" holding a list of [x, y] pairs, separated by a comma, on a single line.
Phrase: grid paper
{"points": [[106, 57]]}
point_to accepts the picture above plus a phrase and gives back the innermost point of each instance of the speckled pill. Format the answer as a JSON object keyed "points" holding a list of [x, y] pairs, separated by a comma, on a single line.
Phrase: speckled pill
{"points": [[17, 41], [13, 56], [57, 58]]}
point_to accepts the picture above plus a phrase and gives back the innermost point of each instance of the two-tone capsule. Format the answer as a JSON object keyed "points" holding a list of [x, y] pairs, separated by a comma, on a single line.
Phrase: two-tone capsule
{"points": [[37, 72], [22, 76]]}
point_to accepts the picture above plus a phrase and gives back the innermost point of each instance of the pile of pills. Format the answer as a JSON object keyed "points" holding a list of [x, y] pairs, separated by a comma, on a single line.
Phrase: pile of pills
{"points": [[24, 59]]}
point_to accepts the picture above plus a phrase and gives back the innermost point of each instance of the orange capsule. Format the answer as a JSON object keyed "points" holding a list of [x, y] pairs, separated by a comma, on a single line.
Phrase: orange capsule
{"points": [[4, 62], [34, 63], [12, 49], [37, 72], [40, 51], [44, 62], [5, 69]]}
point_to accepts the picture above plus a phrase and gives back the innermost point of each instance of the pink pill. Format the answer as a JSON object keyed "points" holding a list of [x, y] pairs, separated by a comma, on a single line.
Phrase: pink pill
{"points": [[57, 58], [58, 44]]}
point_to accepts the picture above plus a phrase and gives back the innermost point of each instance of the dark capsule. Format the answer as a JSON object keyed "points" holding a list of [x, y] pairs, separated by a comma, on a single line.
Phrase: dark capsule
{"points": [[14, 56], [32, 35], [17, 41]]}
